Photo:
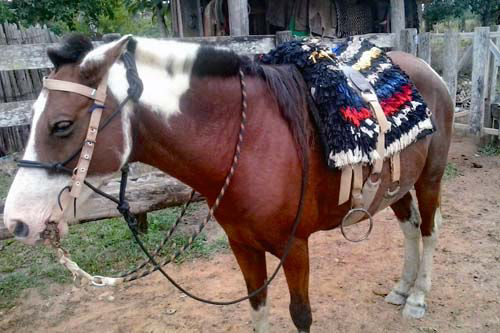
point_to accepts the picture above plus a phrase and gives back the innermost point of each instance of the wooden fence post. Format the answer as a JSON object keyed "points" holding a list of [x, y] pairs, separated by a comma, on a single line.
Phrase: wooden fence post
{"points": [[283, 37], [397, 19], [238, 17], [450, 62], [424, 47], [479, 56], [492, 75], [408, 41]]}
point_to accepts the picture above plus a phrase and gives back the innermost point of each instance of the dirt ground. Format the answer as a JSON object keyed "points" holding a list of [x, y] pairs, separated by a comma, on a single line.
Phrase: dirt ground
{"points": [[348, 280]]}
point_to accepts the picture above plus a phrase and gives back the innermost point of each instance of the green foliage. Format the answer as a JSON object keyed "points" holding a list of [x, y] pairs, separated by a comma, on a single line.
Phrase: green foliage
{"points": [[104, 247], [490, 150], [30, 12], [122, 21], [88, 16], [451, 172], [487, 10], [450, 10], [6, 14]]}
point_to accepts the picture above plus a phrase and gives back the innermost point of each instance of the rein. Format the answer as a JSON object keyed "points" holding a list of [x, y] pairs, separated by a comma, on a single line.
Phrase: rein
{"points": [[79, 174]]}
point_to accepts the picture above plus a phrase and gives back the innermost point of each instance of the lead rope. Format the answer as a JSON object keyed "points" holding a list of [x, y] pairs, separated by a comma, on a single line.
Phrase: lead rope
{"points": [[132, 223]]}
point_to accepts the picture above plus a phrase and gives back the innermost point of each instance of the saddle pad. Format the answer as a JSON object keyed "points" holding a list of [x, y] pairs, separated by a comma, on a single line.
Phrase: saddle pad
{"points": [[346, 125]]}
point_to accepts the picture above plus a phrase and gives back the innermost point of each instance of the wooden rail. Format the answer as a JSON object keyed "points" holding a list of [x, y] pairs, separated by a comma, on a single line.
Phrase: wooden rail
{"points": [[147, 193]]}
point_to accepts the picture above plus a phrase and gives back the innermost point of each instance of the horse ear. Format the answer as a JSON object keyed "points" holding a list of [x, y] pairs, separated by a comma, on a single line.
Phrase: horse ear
{"points": [[97, 62]]}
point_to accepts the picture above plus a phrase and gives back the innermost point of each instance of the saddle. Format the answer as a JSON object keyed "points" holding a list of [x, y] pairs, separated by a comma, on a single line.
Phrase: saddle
{"points": [[366, 109]]}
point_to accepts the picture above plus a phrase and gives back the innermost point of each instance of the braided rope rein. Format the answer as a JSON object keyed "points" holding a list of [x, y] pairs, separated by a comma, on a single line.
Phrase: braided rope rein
{"points": [[131, 275]]}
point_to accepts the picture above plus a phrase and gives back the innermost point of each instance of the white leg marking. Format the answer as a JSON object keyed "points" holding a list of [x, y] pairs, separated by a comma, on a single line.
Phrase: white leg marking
{"points": [[415, 304], [411, 231], [260, 319]]}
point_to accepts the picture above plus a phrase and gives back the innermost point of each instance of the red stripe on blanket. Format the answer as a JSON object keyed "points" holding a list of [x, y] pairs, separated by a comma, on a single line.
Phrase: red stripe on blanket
{"points": [[390, 106], [393, 104]]}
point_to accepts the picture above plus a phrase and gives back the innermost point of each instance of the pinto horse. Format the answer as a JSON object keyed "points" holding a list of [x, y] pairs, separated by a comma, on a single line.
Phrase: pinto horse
{"points": [[186, 123]]}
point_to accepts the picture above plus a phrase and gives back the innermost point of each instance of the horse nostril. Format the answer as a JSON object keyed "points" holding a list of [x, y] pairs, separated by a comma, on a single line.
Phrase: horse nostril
{"points": [[21, 230]]}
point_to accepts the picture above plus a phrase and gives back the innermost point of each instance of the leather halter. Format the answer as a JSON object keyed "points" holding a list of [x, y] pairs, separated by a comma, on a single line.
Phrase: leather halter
{"points": [[99, 97]]}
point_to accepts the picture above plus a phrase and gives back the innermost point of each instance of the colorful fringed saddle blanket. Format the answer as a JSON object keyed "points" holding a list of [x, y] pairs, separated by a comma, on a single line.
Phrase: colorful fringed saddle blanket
{"points": [[346, 125]]}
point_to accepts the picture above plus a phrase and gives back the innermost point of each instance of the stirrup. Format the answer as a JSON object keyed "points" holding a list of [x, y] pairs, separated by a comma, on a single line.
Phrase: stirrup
{"points": [[353, 210]]}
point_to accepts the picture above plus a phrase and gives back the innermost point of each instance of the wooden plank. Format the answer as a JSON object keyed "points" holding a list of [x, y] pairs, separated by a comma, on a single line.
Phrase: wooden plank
{"points": [[461, 114], [424, 47], [469, 35], [492, 68], [34, 56], [464, 128], [494, 49], [479, 58], [254, 44], [450, 63], [15, 113], [408, 41], [28, 56], [238, 17], [283, 37], [3, 38], [397, 19], [465, 59], [147, 193]]}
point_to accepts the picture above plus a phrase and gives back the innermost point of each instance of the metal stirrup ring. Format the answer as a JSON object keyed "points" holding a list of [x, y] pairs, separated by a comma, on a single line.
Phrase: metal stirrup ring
{"points": [[370, 219]]}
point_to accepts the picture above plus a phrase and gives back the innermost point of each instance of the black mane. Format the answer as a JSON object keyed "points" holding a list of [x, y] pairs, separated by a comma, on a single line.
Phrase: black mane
{"points": [[72, 50], [211, 61]]}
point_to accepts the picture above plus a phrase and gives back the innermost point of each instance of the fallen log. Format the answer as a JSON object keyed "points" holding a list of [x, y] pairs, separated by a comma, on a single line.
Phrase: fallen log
{"points": [[146, 193]]}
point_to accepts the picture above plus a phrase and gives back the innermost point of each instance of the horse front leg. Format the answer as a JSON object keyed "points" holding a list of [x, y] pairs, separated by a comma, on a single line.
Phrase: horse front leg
{"points": [[252, 263], [296, 269]]}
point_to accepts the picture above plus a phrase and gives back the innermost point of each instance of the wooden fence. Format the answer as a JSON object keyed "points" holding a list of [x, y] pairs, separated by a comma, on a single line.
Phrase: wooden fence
{"points": [[23, 64], [485, 55]]}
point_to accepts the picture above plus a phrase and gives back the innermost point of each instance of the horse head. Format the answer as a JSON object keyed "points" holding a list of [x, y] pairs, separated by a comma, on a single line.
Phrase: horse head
{"points": [[59, 128]]}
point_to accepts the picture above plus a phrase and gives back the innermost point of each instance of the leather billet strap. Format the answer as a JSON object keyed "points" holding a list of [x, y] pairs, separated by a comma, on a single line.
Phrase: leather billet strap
{"points": [[369, 191], [99, 96]]}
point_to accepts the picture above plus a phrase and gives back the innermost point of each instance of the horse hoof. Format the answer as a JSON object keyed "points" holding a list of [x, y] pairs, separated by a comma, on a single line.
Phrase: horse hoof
{"points": [[395, 298], [415, 311]]}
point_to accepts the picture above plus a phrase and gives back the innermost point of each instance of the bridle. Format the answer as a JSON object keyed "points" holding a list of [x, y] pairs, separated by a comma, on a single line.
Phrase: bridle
{"points": [[79, 173]]}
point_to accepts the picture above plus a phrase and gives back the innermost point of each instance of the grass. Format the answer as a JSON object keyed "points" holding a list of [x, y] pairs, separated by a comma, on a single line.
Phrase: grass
{"points": [[451, 172], [490, 150], [104, 248]]}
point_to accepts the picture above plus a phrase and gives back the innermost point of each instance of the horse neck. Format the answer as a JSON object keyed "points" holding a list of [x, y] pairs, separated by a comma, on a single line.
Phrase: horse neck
{"points": [[196, 144]]}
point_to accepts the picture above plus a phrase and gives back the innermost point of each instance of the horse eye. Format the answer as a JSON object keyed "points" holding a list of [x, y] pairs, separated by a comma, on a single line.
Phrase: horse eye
{"points": [[62, 128]]}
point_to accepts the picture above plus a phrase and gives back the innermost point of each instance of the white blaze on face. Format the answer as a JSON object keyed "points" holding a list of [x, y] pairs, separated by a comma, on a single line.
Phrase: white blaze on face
{"points": [[33, 194]]}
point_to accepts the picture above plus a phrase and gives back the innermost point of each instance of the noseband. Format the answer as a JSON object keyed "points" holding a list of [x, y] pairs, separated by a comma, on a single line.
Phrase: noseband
{"points": [[79, 173]]}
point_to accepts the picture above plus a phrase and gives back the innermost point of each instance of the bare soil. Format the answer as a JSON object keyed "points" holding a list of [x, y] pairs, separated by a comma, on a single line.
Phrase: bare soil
{"points": [[348, 281]]}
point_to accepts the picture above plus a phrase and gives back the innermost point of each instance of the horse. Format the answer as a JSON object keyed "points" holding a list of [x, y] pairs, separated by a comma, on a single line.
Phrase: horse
{"points": [[186, 123]]}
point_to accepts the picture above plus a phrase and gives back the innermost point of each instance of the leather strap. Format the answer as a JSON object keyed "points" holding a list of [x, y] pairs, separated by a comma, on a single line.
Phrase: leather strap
{"points": [[345, 185], [98, 94], [395, 167], [82, 168]]}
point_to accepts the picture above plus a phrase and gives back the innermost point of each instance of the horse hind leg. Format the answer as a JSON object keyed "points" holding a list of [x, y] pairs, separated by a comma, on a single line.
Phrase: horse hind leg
{"points": [[409, 221], [428, 194], [252, 263]]}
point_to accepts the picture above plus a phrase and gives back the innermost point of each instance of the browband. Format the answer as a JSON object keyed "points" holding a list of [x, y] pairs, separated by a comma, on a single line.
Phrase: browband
{"points": [[99, 94]]}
